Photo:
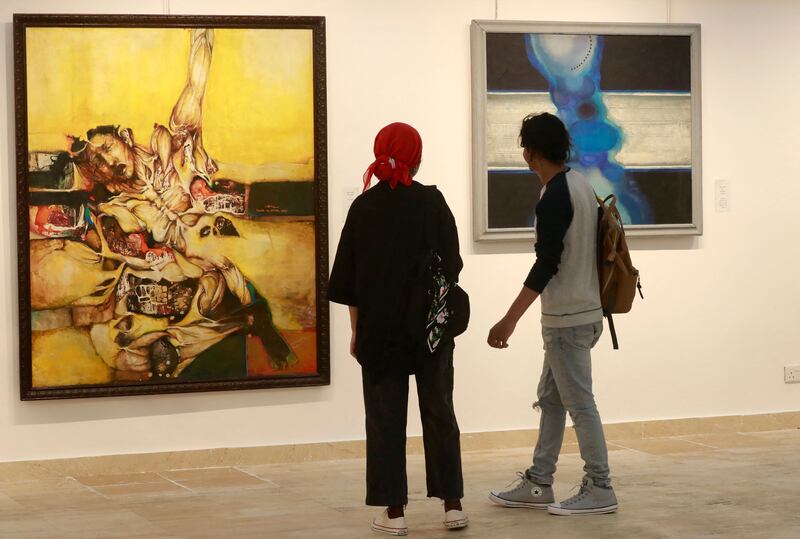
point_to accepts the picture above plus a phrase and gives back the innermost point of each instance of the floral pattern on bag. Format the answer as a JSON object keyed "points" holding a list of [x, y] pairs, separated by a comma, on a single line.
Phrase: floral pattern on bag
{"points": [[438, 314]]}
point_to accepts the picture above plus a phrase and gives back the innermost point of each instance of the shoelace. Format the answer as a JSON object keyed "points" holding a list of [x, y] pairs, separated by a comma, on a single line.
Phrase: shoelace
{"points": [[580, 495], [522, 477]]}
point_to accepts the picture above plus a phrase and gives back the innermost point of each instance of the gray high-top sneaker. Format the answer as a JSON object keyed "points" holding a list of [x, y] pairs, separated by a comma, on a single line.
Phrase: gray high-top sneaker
{"points": [[525, 494], [591, 499]]}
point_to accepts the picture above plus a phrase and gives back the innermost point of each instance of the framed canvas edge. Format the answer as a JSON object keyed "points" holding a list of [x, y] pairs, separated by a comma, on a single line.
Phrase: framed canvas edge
{"points": [[640, 231], [321, 200], [478, 30], [128, 390], [697, 129], [170, 21], [479, 175], [615, 28], [23, 225], [22, 21]]}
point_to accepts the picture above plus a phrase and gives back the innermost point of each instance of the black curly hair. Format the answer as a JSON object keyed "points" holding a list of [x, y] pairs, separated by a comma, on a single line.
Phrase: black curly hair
{"points": [[546, 135]]}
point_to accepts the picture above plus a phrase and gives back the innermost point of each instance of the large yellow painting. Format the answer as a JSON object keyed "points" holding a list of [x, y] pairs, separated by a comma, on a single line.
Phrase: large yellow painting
{"points": [[173, 199]]}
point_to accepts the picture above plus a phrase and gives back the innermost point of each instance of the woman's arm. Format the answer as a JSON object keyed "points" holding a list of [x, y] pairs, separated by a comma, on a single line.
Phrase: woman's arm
{"points": [[450, 251], [353, 325], [342, 284]]}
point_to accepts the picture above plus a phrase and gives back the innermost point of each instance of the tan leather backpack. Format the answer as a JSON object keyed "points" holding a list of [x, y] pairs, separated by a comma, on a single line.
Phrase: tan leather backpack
{"points": [[619, 280]]}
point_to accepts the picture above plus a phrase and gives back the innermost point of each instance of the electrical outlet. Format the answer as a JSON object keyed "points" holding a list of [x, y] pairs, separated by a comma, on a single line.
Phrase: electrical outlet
{"points": [[791, 374]]}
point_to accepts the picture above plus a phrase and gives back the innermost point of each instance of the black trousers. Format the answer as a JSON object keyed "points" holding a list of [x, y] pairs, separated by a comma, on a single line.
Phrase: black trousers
{"points": [[386, 407]]}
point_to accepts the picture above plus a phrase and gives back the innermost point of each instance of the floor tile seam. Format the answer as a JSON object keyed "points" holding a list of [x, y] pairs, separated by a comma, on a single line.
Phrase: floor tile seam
{"points": [[59, 479], [632, 449], [768, 432], [268, 481], [194, 468], [75, 482], [699, 443], [177, 484], [119, 484], [212, 489], [94, 491], [754, 433], [616, 445], [743, 445]]}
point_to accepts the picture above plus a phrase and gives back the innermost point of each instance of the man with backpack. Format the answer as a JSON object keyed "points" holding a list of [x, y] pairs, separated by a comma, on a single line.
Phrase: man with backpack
{"points": [[565, 276]]}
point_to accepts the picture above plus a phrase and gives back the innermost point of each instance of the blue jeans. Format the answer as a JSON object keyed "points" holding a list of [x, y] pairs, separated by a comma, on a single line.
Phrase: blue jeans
{"points": [[566, 386]]}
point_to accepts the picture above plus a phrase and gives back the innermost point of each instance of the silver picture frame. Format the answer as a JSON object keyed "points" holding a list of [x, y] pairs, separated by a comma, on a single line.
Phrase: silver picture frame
{"points": [[690, 221]]}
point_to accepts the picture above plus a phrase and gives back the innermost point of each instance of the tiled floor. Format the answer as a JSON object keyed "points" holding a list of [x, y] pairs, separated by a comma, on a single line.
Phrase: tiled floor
{"points": [[716, 485]]}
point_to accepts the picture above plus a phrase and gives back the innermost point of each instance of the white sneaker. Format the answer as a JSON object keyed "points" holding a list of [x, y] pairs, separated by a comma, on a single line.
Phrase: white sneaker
{"points": [[455, 519], [390, 526]]}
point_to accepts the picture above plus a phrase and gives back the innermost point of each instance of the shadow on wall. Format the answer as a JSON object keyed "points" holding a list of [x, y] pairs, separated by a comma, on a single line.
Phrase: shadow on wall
{"points": [[688, 243], [98, 409]]}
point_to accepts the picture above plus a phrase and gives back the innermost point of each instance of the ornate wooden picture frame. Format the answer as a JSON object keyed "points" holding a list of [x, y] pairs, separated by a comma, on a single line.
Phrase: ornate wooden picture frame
{"points": [[171, 204]]}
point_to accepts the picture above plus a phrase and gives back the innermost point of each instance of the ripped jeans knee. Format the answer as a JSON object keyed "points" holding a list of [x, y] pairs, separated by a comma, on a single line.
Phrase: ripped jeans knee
{"points": [[546, 404]]}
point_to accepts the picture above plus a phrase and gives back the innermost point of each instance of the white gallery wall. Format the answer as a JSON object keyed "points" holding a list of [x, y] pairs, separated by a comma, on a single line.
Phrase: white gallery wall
{"points": [[722, 312]]}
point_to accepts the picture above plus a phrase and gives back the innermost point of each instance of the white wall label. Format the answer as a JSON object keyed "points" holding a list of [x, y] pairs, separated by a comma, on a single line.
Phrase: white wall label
{"points": [[722, 192], [349, 194]]}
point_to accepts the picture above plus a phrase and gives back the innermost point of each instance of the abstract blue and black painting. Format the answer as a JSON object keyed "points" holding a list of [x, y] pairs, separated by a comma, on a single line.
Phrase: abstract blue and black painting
{"points": [[627, 103]]}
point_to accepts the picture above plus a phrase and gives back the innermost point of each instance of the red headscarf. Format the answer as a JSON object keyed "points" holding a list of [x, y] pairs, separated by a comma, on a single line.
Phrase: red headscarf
{"points": [[398, 150]]}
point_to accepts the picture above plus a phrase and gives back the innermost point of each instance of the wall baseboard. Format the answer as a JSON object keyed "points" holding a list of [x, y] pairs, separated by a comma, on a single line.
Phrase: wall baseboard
{"points": [[478, 441]]}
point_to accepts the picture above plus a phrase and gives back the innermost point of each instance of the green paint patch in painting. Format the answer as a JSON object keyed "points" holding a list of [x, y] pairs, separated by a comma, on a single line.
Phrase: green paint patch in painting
{"points": [[226, 360], [276, 199]]}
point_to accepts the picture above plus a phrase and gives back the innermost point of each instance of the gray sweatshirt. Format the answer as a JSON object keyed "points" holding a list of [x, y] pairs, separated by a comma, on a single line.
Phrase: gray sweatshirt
{"points": [[565, 271]]}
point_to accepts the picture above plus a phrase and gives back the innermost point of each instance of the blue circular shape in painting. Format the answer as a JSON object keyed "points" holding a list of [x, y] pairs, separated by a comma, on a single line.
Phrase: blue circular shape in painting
{"points": [[594, 136], [587, 110], [585, 89], [561, 98], [593, 159]]}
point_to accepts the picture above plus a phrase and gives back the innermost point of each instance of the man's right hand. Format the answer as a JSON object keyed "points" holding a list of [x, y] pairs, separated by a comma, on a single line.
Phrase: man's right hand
{"points": [[500, 333]]}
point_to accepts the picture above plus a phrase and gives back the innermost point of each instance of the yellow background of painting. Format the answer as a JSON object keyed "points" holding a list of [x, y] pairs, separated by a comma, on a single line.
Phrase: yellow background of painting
{"points": [[257, 125], [258, 107]]}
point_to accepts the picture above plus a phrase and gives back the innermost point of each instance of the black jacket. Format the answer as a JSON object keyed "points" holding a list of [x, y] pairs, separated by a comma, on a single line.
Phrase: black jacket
{"points": [[385, 233]]}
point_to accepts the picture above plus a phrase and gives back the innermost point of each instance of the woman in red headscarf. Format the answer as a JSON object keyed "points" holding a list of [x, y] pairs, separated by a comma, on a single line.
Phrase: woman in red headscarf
{"points": [[388, 228]]}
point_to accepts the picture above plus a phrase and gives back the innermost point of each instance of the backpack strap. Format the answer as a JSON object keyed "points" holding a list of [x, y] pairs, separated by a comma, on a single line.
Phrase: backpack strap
{"points": [[612, 330], [605, 207]]}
